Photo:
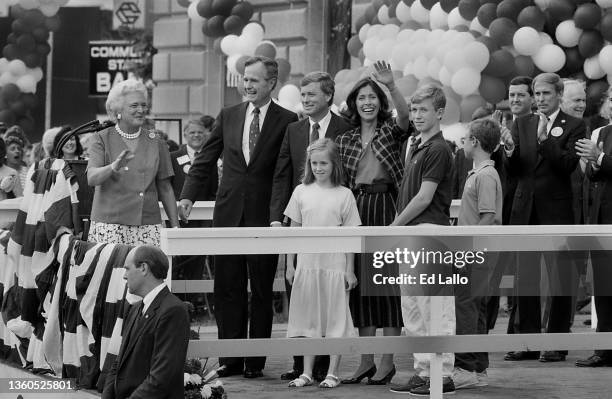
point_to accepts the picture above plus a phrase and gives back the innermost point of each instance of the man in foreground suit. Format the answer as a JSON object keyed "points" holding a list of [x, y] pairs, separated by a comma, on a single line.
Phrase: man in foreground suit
{"points": [[249, 135], [541, 154], [317, 92], [155, 334]]}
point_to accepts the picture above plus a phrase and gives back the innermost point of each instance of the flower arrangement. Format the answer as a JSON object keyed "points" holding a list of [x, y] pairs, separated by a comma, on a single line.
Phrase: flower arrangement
{"points": [[201, 382]]}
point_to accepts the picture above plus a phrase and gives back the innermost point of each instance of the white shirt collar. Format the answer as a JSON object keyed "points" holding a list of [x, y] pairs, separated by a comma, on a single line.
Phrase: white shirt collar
{"points": [[551, 119], [262, 110], [190, 152], [323, 124], [148, 299]]}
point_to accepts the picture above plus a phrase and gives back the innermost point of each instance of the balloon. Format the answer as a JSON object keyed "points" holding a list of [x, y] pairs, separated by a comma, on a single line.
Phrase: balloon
{"points": [[501, 64], [470, 104], [53, 23], [43, 49], [40, 34], [29, 100], [363, 33], [284, 69], [370, 13], [490, 43], [487, 14], [509, 9], [384, 49], [606, 26], [383, 15], [550, 58], [407, 85], [37, 73], [428, 4], [420, 67], [353, 46], [605, 59], [590, 43], [204, 8], [266, 49], [454, 60], [233, 25], [49, 10], [419, 13], [402, 12], [568, 34], [452, 112], [573, 60], [183, 3], [213, 27], [433, 68], [468, 8], [223, 7], [369, 48], [477, 55], [593, 69], [448, 5], [455, 19], [438, 19], [587, 16], [27, 84], [532, 16], [502, 31], [526, 41], [10, 51], [7, 116], [604, 3], [388, 32], [26, 42], [595, 91], [476, 29], [232, 62], [32, 60], [229, 45], [10, 92], [492, 89], [6, 78], [561, 10], [523, 66], [545, 38], [374, 30], [465, 81], [244, 10], [289, 94], [17, 67], [240, 64], [253, 30]]}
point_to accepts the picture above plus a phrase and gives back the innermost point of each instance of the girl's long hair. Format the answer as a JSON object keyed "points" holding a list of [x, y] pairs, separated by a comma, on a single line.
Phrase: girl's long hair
{"points": [[327, 145]]}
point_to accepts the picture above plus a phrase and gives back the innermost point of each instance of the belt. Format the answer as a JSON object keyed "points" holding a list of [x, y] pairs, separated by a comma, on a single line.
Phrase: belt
{"points": [[373, 188]]}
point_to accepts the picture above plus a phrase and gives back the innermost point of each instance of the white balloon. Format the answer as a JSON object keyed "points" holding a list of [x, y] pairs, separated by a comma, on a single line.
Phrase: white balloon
{"points": [[433, 68], [605, 59], [27, 84], [28, 4], [192, 12], [550, 58], [370, 47], [389, 32], [465, 81], [477, 55], [363, 33], [567, 33], [419, 13], [231, 63], [383, 14], [229, 45], [419, 68], [593, 69], [7, 78], [402, 12], [384, 49], [247, 45], [17, 67], [476, 26], [399, 55], [404, 36], [408, 69], [49, 10], [445, 76], [604, 3], [3, 65], [253, 30], [37, 73], [545, 39], [526, 41], [454, 60], [455, 19], [438, 18], [373, 31]]}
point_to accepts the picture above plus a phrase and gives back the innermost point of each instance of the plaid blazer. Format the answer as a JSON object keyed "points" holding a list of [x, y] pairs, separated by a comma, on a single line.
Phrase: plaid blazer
{"points": [[386, 145]]}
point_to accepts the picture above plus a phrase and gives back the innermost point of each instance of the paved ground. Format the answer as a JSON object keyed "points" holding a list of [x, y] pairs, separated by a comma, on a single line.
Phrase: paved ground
{"points": [[524, 380]]}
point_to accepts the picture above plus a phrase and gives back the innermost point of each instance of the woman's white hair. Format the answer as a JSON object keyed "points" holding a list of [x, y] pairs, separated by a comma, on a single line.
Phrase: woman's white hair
{"points": [[48, 138], [114, 101]]}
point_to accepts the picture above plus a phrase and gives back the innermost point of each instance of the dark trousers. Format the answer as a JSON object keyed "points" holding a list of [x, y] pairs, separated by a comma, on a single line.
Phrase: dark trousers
{"points": [[506, 261], [471, 312], [602, 275], [232, 273], [321, 362]]}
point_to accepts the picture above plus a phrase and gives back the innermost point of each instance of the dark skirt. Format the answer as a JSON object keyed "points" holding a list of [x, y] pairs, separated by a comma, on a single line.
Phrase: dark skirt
{"points": [[380, 311]]}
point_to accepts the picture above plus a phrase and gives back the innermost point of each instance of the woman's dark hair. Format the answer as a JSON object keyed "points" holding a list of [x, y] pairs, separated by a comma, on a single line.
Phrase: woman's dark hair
{"points": [[58, 152], [2, 152], [384, 113]]}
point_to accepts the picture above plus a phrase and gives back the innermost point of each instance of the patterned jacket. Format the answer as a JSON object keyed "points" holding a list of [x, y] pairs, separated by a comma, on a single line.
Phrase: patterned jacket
{"points": [[386, 145]]}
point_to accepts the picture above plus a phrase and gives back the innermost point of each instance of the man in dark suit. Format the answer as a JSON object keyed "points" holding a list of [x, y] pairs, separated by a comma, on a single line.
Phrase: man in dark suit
{"points": [[540, 151], [249, 135], [155, 334], [317, 91], [598, 153]]}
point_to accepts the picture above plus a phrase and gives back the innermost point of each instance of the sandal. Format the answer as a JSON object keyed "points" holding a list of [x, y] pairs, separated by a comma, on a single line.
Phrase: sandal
{"points": [[330, 381], [302, 381]]}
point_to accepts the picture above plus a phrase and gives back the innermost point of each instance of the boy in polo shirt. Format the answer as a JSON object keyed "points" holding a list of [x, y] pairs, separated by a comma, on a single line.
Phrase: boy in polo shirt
{"points": [[425, 198], [481, 204]]}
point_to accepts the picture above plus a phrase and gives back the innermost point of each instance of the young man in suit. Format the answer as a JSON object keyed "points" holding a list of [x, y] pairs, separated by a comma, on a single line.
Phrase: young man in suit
{"points": [[540, 151], [155, 334], [317, 91], [597, 152], [249, 135]]}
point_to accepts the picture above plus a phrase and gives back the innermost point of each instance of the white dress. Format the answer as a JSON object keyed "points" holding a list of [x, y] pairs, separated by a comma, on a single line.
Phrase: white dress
{"points": [[319, 305]]}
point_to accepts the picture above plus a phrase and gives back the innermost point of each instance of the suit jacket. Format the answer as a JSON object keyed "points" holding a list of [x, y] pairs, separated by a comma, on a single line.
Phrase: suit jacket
{"points": [[243, 198], [290, 163], [601, 206], [543, 170], [180, 162], [152, 354]]}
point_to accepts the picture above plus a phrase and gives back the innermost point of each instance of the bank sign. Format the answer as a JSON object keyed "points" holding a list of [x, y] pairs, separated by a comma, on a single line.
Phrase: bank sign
{"points": [[108, 61]]}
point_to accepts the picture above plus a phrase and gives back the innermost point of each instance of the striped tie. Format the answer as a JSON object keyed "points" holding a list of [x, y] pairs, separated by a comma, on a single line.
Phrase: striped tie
{"points": [[254, 131]]}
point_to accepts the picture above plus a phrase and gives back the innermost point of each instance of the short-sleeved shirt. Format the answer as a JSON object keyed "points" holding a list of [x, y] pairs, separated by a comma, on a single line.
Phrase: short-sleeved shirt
{"points": [[482, 194], [431, 161], [130, 196]]}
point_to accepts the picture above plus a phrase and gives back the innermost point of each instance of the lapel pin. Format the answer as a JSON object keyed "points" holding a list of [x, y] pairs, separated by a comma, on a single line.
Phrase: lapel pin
{"points": [[151, 135], [186, 168], [556, 132]]}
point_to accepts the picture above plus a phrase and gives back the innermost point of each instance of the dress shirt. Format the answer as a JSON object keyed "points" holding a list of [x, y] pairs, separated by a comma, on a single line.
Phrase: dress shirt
{"points": [[551, 119], [191, 153], [148, 299], [263, 110], [323, 125]]}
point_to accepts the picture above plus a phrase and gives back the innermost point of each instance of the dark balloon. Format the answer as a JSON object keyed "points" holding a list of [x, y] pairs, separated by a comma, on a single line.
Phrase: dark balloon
{"points": [[509, 9], [10, 51], [19, 26], [52, 23], [183, 3], [561, 10], [43, 49], [492, 89], [523, 65], [501, 63], [469, 8], [587, 16], [448, 5], [244, 10], [205, 8], [502, 30], [354, 45], [590, 43], [18, 107], [240, 64], [486, 14], [532, 16], [214, 26], [10, 92], [233, 25], [606, 26], [573, 60], [490, 43], [32, 60], [41, 34], [26, 42], [428, 3], [223, 7], [29, 100], [7, 116]]}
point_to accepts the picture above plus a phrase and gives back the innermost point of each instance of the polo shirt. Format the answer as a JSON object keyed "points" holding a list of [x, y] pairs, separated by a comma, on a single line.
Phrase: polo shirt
{"points": [[130, 196], [431, 161], [482, 194]]}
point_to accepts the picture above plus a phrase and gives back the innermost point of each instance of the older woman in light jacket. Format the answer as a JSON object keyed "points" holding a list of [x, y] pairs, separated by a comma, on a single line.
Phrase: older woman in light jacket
{"points": [[130, 169]]}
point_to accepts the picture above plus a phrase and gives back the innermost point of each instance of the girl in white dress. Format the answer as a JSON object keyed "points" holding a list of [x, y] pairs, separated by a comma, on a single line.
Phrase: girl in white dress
{"points": [[319, 305]]}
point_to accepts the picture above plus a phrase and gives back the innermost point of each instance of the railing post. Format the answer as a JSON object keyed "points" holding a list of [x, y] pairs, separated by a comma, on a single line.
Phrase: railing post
{"points": [[435, 362]]}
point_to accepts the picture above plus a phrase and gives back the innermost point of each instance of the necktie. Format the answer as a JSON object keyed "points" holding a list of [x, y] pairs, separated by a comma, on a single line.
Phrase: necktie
{"points": [[254, 130], [314, 135]]}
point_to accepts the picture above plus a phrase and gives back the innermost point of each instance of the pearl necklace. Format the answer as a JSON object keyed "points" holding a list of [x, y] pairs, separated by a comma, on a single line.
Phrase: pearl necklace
{"points": [[129, 136]]}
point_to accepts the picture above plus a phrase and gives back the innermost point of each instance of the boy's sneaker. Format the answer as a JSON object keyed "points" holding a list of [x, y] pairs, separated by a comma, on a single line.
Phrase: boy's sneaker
{"points": [[464, 379], [415, 382], [448, 387], [483, 379]]}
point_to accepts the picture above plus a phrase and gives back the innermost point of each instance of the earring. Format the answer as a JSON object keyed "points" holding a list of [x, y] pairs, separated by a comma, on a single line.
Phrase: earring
{"points": [[118, 116]]}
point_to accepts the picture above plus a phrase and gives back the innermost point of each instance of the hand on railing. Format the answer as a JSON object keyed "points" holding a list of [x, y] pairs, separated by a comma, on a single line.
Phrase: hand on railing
{"points": [[184, 209]]}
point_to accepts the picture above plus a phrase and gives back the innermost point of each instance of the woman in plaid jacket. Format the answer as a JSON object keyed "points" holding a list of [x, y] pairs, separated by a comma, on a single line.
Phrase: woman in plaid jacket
{"points": [[370, 155]]}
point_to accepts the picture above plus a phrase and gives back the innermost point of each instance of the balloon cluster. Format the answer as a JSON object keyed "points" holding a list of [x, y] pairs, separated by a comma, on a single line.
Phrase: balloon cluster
{"points": [[474, 47], [220, 17]]}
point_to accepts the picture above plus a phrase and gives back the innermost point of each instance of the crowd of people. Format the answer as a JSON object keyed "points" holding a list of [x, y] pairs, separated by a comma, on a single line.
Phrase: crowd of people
{"points": [[375, 164]]}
